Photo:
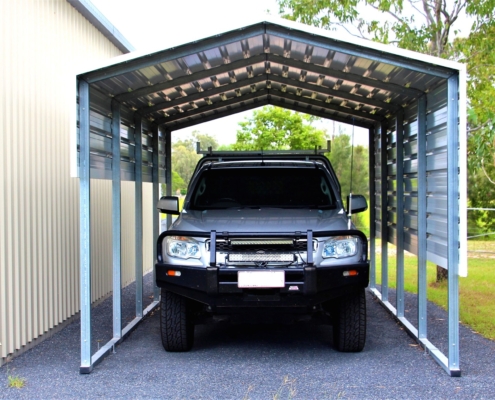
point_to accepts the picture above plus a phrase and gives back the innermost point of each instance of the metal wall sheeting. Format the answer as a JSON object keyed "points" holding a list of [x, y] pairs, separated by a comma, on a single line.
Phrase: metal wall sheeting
{"points": [[436, 177], [41, 44], [101, 143], [415, 194]]}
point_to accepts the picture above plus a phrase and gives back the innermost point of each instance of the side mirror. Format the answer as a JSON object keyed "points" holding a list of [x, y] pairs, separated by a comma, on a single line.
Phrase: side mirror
{"points": [[168, 205], [358, 204]]}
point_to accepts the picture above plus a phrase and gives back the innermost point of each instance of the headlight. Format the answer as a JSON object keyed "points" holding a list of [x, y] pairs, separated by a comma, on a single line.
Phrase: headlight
{"points": [[182, 247], [340, 247]]}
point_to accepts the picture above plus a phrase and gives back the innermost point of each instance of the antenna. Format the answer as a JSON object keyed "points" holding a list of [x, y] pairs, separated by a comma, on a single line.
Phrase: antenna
{"points": [[349, 215]]}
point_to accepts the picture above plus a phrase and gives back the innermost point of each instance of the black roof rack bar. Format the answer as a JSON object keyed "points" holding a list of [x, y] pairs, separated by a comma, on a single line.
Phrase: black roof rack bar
{"points": [[223, 153]]}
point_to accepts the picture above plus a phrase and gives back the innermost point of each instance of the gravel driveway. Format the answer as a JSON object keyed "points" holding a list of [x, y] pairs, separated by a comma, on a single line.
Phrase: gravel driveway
{"points": [[256, 362]]}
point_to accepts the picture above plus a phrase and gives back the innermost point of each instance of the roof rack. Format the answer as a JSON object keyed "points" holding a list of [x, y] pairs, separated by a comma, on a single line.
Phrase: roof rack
{"points": [[222, 153]]}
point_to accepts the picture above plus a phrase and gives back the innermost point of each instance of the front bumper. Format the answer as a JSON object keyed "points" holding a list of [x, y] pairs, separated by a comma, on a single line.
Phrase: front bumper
{"points": [[304, 287]]}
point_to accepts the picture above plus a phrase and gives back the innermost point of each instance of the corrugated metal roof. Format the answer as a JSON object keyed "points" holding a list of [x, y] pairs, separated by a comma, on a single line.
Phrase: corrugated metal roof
{"points": [[270, 63]]}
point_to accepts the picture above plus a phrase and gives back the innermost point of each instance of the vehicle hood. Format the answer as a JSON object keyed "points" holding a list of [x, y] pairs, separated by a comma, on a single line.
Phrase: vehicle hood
{"points": [[261, 220]]}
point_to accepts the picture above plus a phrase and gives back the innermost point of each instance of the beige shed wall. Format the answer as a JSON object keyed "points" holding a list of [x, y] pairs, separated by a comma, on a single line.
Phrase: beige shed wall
{"points": [[42, 44]]}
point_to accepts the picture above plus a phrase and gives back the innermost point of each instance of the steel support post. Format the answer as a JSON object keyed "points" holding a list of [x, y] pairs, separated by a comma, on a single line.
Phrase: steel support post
{"points": [[371, 166], [384, 209], [138, 171], [422, 225], [399, 133], [453, 221], [85, 227], [116, 222], [168, 169], [156, 195]]}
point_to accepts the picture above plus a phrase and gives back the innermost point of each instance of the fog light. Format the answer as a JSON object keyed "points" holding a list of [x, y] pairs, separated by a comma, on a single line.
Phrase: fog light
{"points": [[351, 273], [173, 273]]}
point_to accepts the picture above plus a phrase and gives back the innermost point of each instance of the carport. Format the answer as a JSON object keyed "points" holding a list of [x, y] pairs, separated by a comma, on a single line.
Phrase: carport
{"points": [[413, 106]]}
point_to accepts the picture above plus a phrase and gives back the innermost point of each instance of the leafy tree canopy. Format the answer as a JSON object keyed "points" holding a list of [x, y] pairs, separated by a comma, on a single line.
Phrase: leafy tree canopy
{"points": [[272, 128], [428, 26], [420, 25]]}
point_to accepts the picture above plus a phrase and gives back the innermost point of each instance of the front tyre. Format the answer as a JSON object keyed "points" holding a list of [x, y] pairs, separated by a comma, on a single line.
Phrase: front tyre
{"points": [[349, 322], [176, 326]]}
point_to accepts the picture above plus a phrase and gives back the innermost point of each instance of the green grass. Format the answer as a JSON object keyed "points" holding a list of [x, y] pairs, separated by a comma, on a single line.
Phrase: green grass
{"points": [[476, 291]]}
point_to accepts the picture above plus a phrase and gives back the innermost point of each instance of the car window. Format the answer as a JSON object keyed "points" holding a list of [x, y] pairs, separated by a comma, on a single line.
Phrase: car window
{"points": [[263, 187]]}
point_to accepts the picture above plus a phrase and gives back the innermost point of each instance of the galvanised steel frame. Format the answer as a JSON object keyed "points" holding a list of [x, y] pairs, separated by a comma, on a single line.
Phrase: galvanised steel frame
{"points": [[88, 360], [449, 362], [450, 103]]}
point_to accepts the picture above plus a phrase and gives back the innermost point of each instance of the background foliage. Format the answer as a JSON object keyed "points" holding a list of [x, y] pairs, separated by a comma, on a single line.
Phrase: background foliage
{"points": [[272, 128]]}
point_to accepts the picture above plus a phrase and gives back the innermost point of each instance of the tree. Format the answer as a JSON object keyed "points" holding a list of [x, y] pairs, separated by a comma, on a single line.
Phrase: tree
{"points": [[185, 157], [278, 128], [419, 25], [184, 161], [481, 196], [478, 52], [177, 183], [340, 157], [426, 26]]}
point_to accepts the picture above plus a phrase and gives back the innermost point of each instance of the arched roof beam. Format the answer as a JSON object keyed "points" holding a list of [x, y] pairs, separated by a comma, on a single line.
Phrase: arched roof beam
{"points": [[202, 95], [173, 54], [207, 118], [262, 92], [319, 113], [346, 76], [269, 99], [410, 64], [233, 100], [327, 106], [249, 82], [159, 87], [387, 107]]}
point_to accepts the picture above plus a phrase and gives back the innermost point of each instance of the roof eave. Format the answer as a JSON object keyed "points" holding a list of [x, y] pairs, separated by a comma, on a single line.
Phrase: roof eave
{"points": [[100, 22]]}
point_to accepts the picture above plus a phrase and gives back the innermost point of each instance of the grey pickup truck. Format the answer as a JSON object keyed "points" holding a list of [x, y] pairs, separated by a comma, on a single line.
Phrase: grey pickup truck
{"points": [[263, 235]]}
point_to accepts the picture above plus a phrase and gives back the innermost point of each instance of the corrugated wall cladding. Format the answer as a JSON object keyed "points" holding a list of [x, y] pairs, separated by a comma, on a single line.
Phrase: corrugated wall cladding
{"points": [[436, 177], [101, 142], [42, 43]]}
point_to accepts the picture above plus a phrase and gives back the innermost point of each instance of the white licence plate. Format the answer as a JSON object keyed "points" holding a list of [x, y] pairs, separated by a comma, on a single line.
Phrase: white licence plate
{"points": [[260, 279]]}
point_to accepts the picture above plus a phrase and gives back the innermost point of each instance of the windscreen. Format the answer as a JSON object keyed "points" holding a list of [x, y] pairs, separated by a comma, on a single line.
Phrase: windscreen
{"points": [[262, 187]]}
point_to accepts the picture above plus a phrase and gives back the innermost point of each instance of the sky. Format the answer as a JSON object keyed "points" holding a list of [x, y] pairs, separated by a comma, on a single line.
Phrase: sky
{"points": [[160, 24]]}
